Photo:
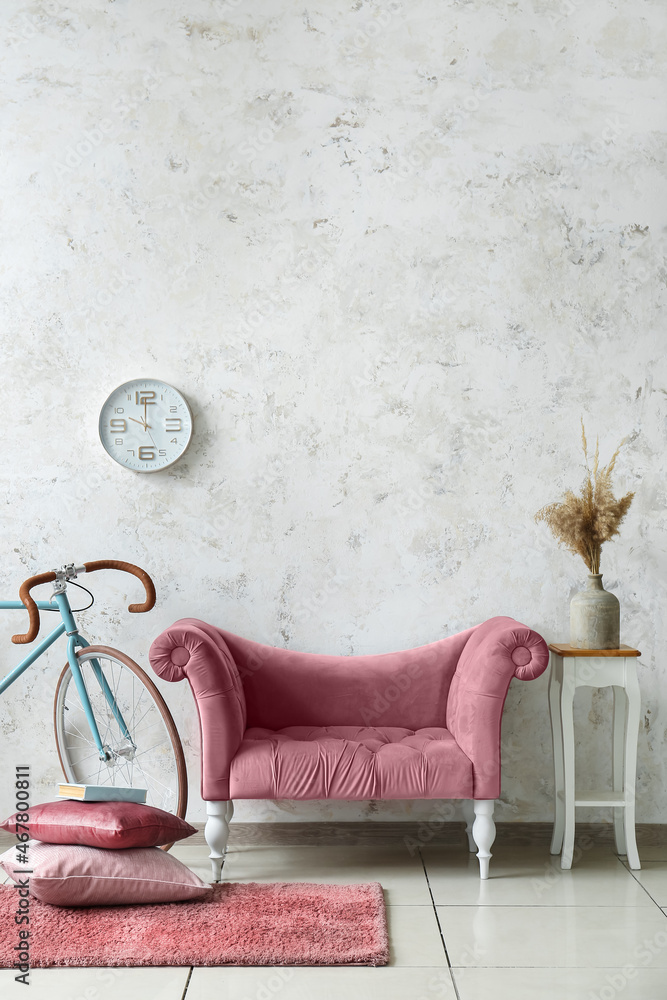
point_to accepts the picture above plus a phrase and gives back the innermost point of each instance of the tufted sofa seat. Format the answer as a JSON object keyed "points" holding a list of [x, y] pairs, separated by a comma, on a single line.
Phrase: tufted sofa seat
{"points": [[419, 723], [348, 762]]}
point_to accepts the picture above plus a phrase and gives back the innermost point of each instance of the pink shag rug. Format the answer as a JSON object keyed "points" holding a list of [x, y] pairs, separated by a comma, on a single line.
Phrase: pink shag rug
{"points": [[295, 923]]}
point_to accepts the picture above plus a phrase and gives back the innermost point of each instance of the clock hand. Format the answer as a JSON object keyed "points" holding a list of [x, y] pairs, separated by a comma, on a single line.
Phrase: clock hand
{"points": [[142, 422]]}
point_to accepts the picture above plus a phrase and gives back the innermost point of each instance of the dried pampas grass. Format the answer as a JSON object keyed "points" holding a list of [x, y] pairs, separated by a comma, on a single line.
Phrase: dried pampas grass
{"points": [[582, 523]]}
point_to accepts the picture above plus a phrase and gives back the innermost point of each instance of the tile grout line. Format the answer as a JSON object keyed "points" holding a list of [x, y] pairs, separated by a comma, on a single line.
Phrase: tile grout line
{"points": [[187, 982], [437, 920], [632, 873]]}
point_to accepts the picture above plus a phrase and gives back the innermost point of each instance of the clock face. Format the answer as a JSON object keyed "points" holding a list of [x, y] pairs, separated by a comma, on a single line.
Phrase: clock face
{"points": [[145, 425]]}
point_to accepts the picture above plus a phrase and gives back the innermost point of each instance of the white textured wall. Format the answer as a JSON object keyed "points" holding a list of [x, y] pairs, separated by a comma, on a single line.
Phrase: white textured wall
{"points": [[390, 252]]}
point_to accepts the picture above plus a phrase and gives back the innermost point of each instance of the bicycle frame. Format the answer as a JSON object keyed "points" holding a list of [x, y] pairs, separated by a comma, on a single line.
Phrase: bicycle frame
{"points": [[74, 641]]}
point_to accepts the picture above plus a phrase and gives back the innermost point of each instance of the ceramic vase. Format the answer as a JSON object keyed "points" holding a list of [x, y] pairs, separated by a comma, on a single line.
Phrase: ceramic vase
{"points": [[595, 617]]}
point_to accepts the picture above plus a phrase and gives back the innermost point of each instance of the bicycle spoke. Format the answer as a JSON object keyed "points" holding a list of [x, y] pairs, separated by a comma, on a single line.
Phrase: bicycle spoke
{"points": [[136, 705], [81, 735], [82, 759], [148, 749], [149, 727], [152, 778], [158, 720], [127, 770]]}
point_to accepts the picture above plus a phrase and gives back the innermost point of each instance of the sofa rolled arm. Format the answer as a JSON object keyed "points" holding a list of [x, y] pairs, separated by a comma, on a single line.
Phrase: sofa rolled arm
{"points": [[195, 651], [498, 650]]}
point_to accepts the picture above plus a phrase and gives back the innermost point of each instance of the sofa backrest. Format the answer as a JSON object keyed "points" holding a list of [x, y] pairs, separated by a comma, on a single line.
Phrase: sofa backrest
{"points": [[407, 689]]}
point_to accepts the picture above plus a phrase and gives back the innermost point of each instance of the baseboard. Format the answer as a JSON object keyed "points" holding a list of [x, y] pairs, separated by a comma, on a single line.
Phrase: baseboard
{"points": [[434, 834]]}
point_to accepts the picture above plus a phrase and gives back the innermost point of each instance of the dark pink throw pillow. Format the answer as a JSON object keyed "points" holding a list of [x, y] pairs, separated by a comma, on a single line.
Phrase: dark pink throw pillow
{"points": [[102, 824]]}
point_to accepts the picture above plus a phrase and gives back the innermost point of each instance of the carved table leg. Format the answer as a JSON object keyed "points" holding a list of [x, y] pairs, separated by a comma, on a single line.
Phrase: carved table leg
{"points": [[618, 762], [567, 723], [559, 767], [630, 768]]}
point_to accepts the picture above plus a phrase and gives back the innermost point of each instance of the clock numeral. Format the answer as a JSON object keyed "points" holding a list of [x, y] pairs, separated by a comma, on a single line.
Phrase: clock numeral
{"points": [[173, 441], [145, 398], [146, 453], [118, 409], [129, 397], [130, 451], [118, 426], [118, 441], [162, 452], [173, 425], [173, 409]]}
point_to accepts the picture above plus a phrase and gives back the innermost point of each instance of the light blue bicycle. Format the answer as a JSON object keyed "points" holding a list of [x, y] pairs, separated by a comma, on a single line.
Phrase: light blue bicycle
{"points": [[112, 724]]}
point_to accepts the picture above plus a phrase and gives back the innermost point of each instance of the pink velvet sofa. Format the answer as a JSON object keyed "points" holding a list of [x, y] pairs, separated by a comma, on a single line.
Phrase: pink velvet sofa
{"points": [[419, 724]]}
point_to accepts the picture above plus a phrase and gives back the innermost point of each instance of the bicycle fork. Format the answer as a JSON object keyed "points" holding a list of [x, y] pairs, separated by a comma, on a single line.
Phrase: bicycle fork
{"points": [[76, 641]]}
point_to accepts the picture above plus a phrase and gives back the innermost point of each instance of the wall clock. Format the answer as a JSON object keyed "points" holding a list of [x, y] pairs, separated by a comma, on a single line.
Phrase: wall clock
{"points": [[145, 425]]}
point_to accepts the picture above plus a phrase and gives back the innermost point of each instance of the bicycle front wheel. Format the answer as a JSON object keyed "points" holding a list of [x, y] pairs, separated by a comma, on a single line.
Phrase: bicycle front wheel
{"points": [[152, 757]]}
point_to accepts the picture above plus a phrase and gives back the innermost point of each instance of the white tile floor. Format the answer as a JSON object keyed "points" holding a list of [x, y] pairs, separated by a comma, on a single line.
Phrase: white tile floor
{"points": [[532, 932]]}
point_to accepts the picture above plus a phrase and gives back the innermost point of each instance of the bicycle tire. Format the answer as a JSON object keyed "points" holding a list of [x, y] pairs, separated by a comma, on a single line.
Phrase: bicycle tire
{"points": [[163, 774]]}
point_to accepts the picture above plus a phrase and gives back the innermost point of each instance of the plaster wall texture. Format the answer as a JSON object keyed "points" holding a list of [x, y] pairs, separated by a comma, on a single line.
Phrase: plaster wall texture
{"points": [[391, 253]]}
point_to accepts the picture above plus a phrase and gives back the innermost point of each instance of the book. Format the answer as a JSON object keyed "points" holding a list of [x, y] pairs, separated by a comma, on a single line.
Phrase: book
{"points": [[102, 793]]}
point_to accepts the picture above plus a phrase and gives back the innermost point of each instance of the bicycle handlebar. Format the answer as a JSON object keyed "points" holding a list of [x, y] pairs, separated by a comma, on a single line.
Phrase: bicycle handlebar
{"points": [[33, 610], [137, 571], [91, 567]]}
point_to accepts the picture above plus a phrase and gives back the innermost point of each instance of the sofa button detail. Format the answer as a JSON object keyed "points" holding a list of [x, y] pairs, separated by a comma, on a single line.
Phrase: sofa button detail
{"points": [[521, 656], [180, 656]]}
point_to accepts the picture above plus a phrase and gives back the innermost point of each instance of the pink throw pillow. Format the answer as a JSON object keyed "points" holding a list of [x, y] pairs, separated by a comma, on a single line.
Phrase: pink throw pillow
{"points": [[67, 875], [102, 824]]}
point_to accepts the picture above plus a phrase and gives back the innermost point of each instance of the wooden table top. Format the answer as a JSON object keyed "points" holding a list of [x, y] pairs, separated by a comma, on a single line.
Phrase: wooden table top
{"points": [[564, 649]]}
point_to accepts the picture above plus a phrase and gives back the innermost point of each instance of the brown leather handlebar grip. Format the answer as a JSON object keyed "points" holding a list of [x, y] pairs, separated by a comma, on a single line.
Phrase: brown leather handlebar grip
{"points": [[127, 567], [33, 610]]}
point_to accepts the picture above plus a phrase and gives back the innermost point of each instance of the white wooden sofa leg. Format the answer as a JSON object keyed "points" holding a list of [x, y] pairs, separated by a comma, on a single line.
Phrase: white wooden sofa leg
{"points": [[484, 833], [216, 831], [469, 817]]}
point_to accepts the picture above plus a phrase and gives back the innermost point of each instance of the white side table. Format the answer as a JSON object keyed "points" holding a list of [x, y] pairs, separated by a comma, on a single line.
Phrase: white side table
{"points": [[572, 668]]}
